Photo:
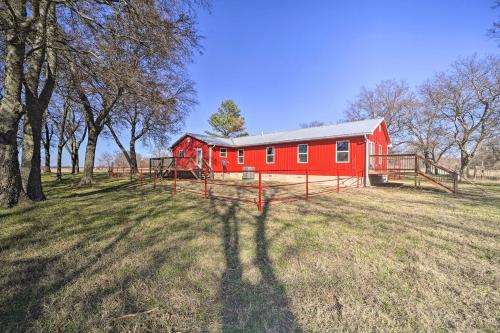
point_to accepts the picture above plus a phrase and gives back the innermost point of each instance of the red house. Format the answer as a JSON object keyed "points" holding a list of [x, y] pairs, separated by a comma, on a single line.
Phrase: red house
{"points": [[342, 149]]}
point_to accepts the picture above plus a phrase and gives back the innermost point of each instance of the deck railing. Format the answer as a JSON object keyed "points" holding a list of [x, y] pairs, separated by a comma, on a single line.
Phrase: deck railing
{"points": [[416, 165]]}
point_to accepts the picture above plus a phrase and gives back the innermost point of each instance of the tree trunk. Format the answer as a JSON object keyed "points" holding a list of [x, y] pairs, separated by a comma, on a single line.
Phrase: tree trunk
{"points": [[31, 157], [61, 140], [36, 104], [427, 164], [464, 162], [133, 156], [59, 161], [47, 157], [11, 190], [122, 148], [77, 163], [88, 167], [74, 163]]}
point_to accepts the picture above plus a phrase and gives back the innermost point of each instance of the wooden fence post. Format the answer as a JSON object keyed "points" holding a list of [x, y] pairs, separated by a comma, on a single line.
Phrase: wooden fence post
{"points": [[206, 186], [307, 185], [416, 171], [259, 202], [175, 179], [455, 182], [154, 181]]}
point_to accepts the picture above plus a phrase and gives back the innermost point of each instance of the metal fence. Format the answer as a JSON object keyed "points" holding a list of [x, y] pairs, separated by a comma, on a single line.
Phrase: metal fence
{"points": [[256, 192]]}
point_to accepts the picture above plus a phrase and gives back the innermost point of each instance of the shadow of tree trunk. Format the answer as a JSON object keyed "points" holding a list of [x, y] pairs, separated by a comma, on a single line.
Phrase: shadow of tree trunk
{"points": [[246, 306]]}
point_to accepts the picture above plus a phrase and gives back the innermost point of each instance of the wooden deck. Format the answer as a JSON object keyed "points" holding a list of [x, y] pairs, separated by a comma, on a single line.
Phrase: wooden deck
{"points": [[414, 165]]}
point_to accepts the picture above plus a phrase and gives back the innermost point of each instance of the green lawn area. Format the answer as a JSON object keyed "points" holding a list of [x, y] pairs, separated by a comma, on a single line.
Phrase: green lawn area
{"points": [[121, 257]]}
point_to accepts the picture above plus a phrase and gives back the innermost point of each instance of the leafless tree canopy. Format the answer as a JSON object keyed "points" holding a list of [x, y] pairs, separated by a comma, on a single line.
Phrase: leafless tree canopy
{"points": [[105, 51], [455, 112], [389, 99]]}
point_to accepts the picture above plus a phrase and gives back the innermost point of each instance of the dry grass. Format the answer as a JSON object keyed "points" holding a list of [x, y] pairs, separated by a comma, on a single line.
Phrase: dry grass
{"points": [[120, 258]]}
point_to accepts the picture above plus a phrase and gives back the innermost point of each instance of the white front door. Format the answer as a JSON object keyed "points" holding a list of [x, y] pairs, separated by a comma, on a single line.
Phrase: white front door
{"points": [[371, 151], [199, 157]]}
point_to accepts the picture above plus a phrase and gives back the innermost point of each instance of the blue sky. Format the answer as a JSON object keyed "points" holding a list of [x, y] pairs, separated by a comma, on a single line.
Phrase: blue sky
{"points": [[289, 62]]}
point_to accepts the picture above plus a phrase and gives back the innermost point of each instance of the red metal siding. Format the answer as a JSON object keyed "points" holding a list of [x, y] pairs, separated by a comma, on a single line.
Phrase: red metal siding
{"points": [[321, 155], [380, 138], [321, 158], [189, 145]]}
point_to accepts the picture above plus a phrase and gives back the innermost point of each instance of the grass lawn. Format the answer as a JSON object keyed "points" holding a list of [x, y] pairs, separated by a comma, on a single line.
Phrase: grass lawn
{"points": [[118, 257]]}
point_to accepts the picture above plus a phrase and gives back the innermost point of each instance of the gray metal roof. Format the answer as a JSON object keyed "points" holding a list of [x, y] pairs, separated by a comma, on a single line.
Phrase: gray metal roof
{"points": [[213, 140], [349, 129]]}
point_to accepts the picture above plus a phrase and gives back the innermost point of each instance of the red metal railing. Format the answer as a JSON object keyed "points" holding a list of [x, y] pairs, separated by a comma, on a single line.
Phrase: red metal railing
{"points": [[260, 191]]}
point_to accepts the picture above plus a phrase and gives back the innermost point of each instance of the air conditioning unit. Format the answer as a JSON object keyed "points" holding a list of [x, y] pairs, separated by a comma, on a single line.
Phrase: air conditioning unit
{"points": [[248, 173]]}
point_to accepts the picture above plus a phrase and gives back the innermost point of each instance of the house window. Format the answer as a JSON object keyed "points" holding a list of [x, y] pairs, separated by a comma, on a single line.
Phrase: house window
{"points": [[342, 151], [302, 153], [223, 152], [379, 154], [181, 153], [241, 156], [270, 155]]}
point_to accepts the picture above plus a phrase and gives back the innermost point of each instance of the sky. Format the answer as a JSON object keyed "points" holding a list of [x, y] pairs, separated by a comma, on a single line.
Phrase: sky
{"points": [[285, 63]]}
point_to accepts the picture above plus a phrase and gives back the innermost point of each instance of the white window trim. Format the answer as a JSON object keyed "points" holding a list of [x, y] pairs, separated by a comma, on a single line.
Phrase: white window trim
{"points": [[274, 155], [343, 151], [306, 153], [225, 152], [380, 154], [179, 153], [238, 156]]}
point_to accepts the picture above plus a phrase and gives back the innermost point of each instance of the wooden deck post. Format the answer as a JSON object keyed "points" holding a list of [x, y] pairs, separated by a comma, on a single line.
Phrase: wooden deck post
{"points": [[259, 200]]}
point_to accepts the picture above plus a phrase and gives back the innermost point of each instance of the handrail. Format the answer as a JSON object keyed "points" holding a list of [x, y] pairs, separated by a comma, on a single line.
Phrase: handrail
{"points": [[434, 164]]}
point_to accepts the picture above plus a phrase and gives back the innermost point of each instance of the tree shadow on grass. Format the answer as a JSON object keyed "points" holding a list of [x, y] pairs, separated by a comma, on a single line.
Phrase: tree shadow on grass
{"points": [[32, 283], [247, 307]]}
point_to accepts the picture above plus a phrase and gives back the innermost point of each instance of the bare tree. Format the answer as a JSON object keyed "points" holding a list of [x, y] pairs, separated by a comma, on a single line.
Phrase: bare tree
{"points": [[47, 135], [470, 95], [38, 83], [389, 99], [425, 126], [313, 123], [63, 113], [15, 24], [75, 134], [488, 155], [154, 118], [494, 32], [106, 159], [103, 77]]}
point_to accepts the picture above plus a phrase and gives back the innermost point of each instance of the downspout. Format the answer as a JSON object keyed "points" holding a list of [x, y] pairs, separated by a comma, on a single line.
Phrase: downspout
{"points": [[210, 148], [367, 179]]}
